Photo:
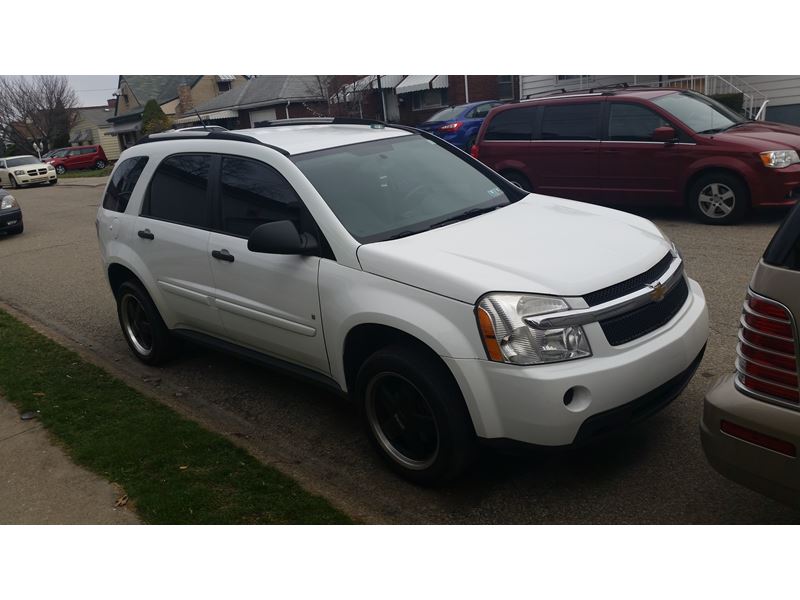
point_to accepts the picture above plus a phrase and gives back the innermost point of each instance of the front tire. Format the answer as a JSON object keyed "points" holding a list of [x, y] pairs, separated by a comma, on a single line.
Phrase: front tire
{"points": [[414, 415], [719, 199], [144, 330], [61, 169], [13, 182]]}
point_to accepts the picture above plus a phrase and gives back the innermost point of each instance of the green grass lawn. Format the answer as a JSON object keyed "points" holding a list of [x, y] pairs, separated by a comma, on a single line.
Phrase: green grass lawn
{"points": [[173, 470], [87, 173]]}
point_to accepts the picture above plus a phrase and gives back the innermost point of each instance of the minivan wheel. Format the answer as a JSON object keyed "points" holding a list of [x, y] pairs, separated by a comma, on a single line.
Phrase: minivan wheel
{"points": [[144, 330], [414, 415], [719, 199], [519, 180], [61, 169], [100, 164]]}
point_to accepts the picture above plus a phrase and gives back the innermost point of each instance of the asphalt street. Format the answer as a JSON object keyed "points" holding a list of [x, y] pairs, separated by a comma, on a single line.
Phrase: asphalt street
{"points": [[654, 473]]}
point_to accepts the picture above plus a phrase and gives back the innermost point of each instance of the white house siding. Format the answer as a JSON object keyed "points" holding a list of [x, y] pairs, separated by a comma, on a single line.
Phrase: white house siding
{"points": [[110, 143]]}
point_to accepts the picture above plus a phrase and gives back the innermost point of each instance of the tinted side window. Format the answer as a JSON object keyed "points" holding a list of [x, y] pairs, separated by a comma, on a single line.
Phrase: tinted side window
{"points": [[252, 194], [632, 122], [571, 122], [514, 124], [178, 190], [122, 183], [88, 151]]}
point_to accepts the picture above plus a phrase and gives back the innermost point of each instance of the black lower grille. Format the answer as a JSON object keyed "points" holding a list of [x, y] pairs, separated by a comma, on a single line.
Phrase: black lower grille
{"points": [[622, 288], [639, 322]]}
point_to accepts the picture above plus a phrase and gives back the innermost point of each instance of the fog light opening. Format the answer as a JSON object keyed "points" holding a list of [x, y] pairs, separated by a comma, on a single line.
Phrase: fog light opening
{"points": [[577, 398]]}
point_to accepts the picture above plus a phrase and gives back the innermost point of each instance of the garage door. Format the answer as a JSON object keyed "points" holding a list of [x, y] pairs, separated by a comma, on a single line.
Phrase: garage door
{"points": [[267, 114]]}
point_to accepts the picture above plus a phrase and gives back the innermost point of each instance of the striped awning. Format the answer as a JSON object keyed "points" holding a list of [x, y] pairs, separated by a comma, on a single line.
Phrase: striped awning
{"points": [[418, 83], [118, 129], [220, 114]]}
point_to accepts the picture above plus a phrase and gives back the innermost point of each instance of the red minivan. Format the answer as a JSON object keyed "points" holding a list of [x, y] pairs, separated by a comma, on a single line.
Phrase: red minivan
{"points": [[644, 147], [78, 157]]}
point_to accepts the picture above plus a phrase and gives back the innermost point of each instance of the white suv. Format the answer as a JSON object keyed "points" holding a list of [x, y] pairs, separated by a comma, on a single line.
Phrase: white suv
{"points": [[379, 260]]}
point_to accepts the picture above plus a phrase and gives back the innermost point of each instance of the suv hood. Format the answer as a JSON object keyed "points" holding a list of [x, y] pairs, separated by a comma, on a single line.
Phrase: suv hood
{"points": [[764, 136], [539, 245]]}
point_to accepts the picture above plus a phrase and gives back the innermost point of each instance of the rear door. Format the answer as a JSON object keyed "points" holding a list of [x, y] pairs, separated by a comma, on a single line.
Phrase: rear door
{"points": [[565, 150], [268, 302], [505, 144], [172, 234], [634, 169]]}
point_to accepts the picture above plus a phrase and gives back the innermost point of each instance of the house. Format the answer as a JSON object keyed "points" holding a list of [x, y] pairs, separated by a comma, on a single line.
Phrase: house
{"points": [[780, 92], [265, 98], [91, 125], [412, 99], [177, 95]]}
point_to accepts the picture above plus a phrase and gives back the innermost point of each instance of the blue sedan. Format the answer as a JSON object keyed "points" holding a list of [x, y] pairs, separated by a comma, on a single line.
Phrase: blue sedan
{"points": [[459, 125]]}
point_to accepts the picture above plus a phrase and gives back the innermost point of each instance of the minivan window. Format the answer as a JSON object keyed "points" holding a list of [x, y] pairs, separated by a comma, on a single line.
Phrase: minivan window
{"points": [[571, 122], [632, 122], [397, 186], [252, 194], [122, 183], [178, 190], [700, 113], [513, 124]]}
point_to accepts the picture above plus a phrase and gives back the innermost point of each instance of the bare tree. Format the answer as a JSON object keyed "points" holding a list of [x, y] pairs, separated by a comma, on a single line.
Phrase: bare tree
{"points": [[40, 109]]}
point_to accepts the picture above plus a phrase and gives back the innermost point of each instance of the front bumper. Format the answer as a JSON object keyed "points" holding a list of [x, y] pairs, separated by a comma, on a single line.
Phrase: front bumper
{"points": [[776, 187], [10, 219], [760, 469], [33, 180], [527, 404]]}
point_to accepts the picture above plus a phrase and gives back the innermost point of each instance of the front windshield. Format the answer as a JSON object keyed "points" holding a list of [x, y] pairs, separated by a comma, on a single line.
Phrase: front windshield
{"points": [[397, 186], [700, 113], [21, 160], [446, 114]]}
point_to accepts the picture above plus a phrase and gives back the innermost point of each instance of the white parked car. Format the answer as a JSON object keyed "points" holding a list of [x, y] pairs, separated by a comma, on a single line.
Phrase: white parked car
{"points": [[19, 171], [452, 306]]}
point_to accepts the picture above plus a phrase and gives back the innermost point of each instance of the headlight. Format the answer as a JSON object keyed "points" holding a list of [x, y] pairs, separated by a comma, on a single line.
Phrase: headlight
{"points": [[8, 202], [778, 159], [50, 167], [19, 172], [508, 338]]}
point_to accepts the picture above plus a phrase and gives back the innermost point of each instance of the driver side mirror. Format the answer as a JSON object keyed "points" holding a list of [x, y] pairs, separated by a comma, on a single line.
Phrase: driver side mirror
{"points": [[665, 134], [281, 237]]}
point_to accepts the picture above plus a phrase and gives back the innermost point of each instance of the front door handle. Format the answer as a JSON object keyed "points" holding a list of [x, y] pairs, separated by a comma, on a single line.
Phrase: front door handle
{"points": [[145, 234], [222, 255]]}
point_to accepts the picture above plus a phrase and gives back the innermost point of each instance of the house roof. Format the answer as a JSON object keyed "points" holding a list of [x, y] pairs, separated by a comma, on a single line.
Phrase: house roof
{"points": [[96, 115], [266, 90], [161, 88]]}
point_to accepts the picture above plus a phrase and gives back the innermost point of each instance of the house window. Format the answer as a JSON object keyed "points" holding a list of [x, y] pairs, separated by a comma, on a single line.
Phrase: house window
{"points": [[429, 99], [505, 87], [223, 86]]}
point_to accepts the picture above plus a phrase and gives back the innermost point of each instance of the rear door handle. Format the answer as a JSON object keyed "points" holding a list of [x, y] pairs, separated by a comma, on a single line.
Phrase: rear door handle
{"points": [[145, 234], [222, 255]]}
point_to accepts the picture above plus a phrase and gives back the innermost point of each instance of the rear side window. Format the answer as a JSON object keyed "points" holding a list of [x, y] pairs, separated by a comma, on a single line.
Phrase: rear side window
{"points": [[514, 124], [252, 194], [179, 190], [122, 183], [632, 122], [571, 122]]}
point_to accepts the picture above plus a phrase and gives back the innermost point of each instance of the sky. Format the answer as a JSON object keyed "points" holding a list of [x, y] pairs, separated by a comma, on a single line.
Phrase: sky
{"points": [[93, 90]]}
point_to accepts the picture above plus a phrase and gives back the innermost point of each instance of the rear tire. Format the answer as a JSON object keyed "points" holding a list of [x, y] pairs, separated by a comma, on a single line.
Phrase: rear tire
{"points": [[100, 164], [414, 415], [718, 198], [519, 180], [142, 325]]}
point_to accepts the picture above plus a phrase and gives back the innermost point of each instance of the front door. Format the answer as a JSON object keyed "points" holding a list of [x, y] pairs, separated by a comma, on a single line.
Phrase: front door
{"points": [[171, 236], [267, 302], [564, 153], [634, 169]]}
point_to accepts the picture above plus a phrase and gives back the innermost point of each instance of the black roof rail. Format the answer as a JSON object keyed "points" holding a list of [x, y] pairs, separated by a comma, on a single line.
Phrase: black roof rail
{"points": [[211, 135], [321, 121], [546, 93]]}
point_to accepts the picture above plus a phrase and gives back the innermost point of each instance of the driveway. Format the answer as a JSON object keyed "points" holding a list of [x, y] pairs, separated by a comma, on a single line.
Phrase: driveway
{"points": [[655, 473]]}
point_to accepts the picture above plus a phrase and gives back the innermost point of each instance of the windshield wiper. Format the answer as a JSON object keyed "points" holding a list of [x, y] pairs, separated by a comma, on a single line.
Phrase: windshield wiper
{"points": [[467, 214], [403, 234], [739, 124]]}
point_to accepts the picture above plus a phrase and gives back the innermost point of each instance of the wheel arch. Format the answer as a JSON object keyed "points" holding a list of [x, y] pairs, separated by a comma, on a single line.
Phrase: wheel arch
{"points": [[739, 173]]}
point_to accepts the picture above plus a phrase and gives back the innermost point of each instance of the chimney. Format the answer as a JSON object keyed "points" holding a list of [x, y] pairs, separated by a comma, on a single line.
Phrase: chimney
{"points": [[184, 99]]}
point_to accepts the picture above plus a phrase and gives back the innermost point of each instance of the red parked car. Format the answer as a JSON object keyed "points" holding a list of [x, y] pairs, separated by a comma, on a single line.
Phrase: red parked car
{"points": [[78, 157], [644, 147]]}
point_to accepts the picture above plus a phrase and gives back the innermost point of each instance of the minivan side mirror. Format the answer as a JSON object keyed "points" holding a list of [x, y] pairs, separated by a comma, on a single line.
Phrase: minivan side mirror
{"points": [[281, 237], [665, 134]]}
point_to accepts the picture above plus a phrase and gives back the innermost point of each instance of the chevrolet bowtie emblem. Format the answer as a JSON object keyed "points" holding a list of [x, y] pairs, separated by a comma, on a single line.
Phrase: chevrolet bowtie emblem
{"points": [[657, 292]]}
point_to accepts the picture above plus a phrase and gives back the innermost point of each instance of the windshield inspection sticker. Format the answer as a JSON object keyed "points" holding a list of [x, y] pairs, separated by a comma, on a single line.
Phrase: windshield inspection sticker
{"points": [[494, 192]]}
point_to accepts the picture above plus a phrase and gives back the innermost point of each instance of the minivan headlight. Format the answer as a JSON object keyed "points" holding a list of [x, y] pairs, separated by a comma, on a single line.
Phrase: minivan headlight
{"points": [[778, 159], [507, 338], [7, 202]]}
